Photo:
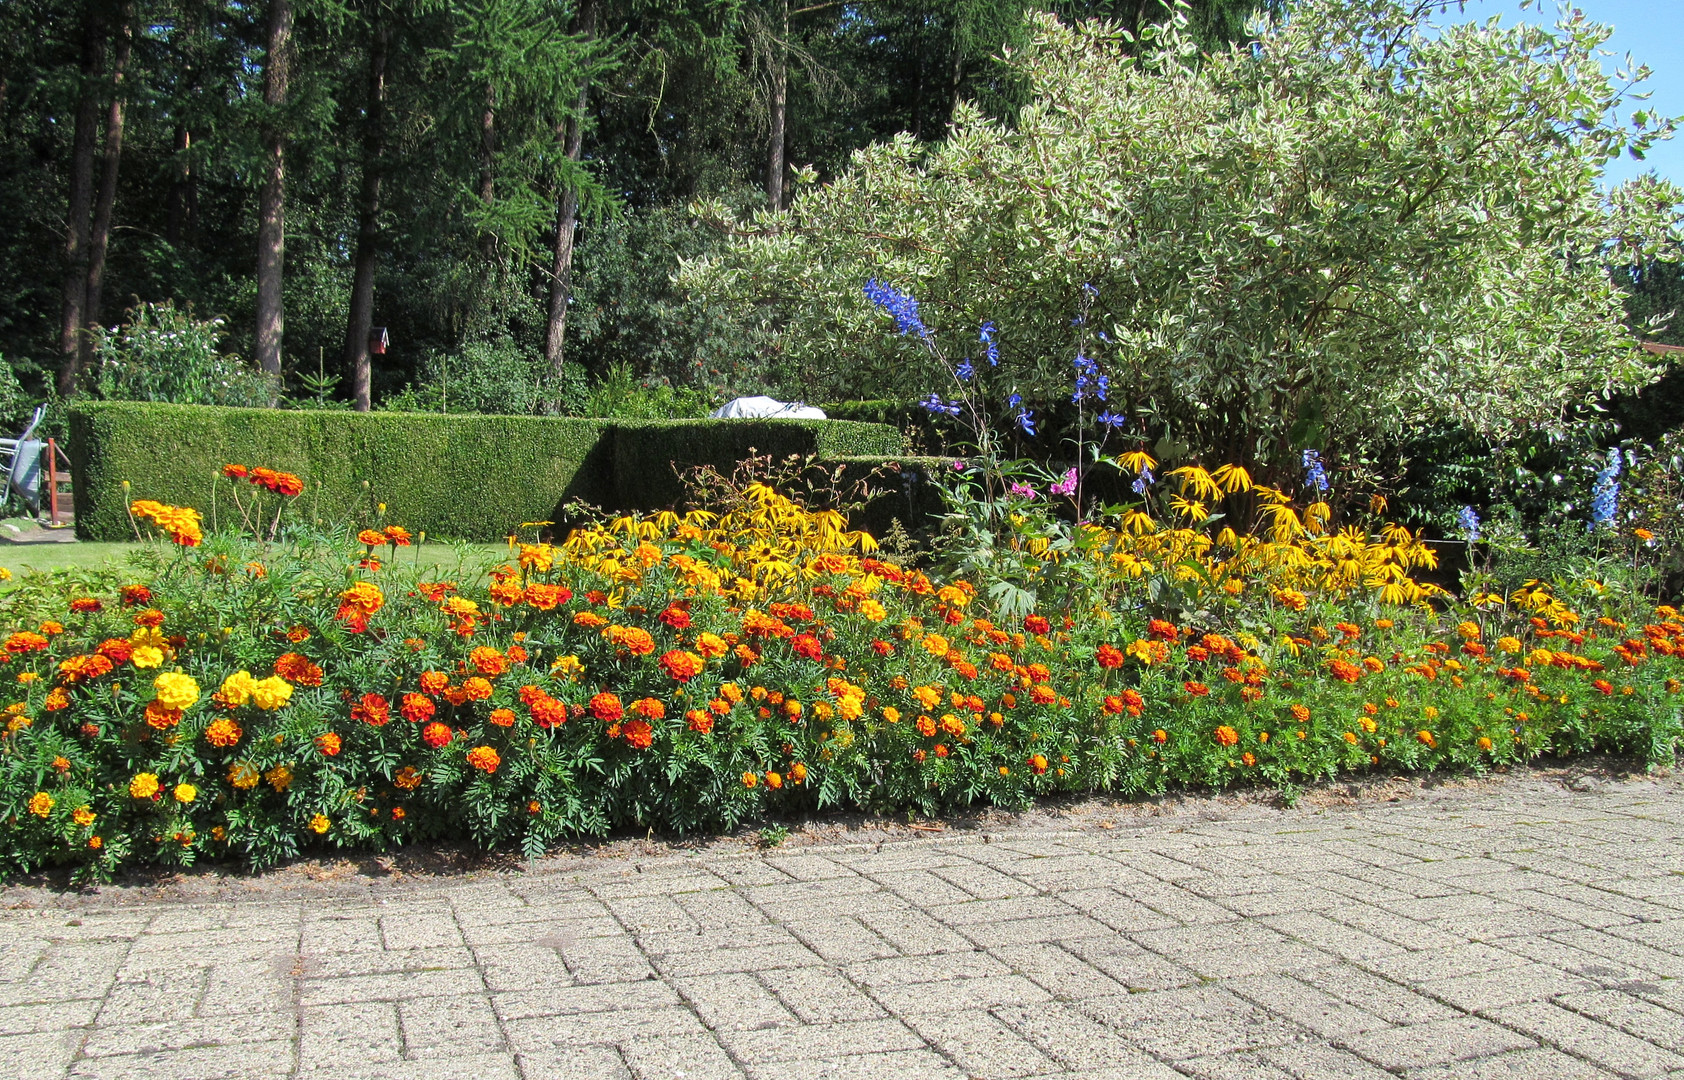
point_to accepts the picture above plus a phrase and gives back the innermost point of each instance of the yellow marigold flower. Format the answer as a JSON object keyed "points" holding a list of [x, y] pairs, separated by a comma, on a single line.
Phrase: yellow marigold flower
{"points": [[271, 693], [144, 785], [176, 690], [1510, 645], [408, 778], [568, 667], [243, 775], [320, 824], [891, 714], [41, 804], [236, 688], [147, 656], [872, 610], [539, 557], [185, 793], [711, 645], [1425, 738], [1468, 630], [280, 777], [84, 816], [928, 696]]}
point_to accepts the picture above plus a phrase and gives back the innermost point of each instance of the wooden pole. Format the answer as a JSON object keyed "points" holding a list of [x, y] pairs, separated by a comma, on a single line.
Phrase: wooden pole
{"points": [[52, 477]]}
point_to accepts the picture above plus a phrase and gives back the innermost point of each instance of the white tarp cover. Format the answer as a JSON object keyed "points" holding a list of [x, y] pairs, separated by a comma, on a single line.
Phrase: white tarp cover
{"points": [[759, 407]]}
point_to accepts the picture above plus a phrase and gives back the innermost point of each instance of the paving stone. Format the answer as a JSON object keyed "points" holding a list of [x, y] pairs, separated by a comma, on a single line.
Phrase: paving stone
{"points": [[980, 1044], [1589, 1039], [1191, 1022], [1437, 1042], [1542, 1063]]}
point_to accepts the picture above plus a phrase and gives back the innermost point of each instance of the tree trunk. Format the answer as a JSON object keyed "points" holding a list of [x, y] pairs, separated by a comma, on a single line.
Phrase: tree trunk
{"points": [[488, 164], [184, 194], [778, 110], [271, 215], [81, 202], [368, 225], [99, 242], [567, 215], [958, 74]]}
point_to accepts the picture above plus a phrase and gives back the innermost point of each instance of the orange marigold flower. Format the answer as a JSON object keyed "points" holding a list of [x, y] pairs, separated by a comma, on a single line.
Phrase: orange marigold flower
{"points": [[547, 597], [547, 712], [699, 721], [77, 668], [434, 683], [485, 759], [1425, 738], [1038, 763], [680, 665], [501, 717], [1248, 758], [476, 688], [397, 535], [676, 617], [649, 708], [1226, 736], [1301, 714], [638, 734], [370, 538], [1036, 624], [632, 639], [223, 733], [750, 780], [117, 650], [488, 661], [159, 715], [372, 709], [1603, 686], [1160, 630], [1344, 671], [86, 605], [1197, 689], [607, 707], [25, 641], [328, 743], [1160, 736], [1041, 694], [235, 472], [437, 735]]}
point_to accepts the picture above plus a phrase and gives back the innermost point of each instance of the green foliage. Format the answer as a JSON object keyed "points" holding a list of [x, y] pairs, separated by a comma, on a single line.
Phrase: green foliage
{"points": [[163, 354], [1316, 241], [619, 393], [491, 377], [469, 477]]}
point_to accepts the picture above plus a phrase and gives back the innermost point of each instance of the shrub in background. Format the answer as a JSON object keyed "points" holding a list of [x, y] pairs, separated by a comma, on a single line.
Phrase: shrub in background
{"points": [[162, 353]]}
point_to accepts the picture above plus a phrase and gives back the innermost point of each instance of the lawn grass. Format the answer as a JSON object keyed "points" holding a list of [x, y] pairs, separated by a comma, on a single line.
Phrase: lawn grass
{"points": [[86, 555]]}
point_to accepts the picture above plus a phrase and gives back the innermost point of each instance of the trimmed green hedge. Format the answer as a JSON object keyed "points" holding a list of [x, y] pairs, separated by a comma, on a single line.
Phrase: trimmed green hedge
{"points": [[462, 476]]}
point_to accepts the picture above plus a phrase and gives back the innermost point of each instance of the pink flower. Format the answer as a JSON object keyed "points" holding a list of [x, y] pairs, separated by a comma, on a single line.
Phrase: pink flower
{"points": [[1023, 490], [1067, 486]]}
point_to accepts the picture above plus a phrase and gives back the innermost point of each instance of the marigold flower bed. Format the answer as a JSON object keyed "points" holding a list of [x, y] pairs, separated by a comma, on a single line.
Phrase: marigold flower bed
{"points": [[691, 673]]}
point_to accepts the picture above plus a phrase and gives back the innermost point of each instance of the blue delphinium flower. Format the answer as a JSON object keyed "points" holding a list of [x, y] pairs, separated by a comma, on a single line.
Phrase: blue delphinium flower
{"points": [[903, 307], [991, 348], [1469, 522], [1025, 418], [1315, 475], [1110, 419], [1143, 481], [1605, 493], [935, 404], [965, 371], [1087, 379]]}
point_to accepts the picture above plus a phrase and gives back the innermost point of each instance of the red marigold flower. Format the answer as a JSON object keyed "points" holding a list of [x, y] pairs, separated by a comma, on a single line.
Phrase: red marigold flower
{"points": [[372, 709], [485, 759], [517, 654], [157, 714], [1197, 652], [328, 743], [437, 735], [1197, 689], [1226, 736], [1109, 656], [1344, 670], [235, 472], [1159, 630], [86, 605], [1603, 686], [135, 595], [675, 617], [397, 536], [680, 665], [700, 721], [882, 648], [434, 683], [417, 708], [1113, 704], [152, 618], [298, 669], [808, 646], [117, 650], [530, 694], [606, 707], [1036, 624]]}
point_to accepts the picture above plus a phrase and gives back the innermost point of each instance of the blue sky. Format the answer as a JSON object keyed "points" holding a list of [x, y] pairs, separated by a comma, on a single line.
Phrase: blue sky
{"points": [[1652, 31]]}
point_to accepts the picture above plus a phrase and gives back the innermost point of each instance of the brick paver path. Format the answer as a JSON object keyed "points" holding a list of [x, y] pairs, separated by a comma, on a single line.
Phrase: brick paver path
{"points": [[1510, 929]]}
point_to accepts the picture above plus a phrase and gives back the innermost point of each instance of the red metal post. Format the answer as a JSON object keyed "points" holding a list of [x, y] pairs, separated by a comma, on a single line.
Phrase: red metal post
{"points": [[52, 476]]}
